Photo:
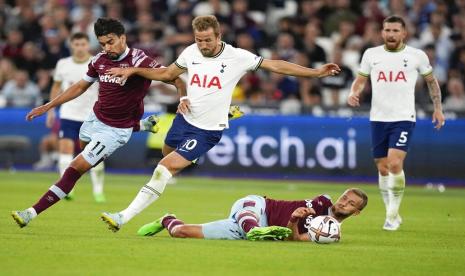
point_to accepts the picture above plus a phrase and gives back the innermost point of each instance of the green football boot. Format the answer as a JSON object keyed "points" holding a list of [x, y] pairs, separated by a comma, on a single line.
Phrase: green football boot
{"points": [[272, 233], [154, 227]]}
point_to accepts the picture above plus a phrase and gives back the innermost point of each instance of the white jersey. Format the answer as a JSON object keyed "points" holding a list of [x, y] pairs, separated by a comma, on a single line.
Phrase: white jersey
{"points": [[68, 72], [211, 81], [393, 77]]}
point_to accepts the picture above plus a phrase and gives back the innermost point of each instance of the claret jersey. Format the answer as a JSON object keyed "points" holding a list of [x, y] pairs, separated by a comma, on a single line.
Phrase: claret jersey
{"points": [[119, 104], [278, 212]]}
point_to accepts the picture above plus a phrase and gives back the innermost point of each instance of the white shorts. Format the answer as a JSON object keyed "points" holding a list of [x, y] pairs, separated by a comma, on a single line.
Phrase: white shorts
{"points": [[102, 139], [229, 229]]}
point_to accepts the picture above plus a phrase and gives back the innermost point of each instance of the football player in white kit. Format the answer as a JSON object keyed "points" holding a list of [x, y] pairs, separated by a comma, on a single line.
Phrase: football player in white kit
{"points": [[213, 70], [393, 69]]}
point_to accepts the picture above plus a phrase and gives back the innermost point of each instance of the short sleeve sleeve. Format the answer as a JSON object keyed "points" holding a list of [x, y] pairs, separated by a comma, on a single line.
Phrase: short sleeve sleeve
{"points": [[424, 67], [181, 61], [251, 62], [365, 67], [141, 59], [58, 75], [92, 74]]}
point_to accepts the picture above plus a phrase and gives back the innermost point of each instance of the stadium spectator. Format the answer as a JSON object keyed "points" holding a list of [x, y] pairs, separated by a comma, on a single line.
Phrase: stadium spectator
{"points": [[261, 218], [455, 100], [338, 84], [21, 92]]}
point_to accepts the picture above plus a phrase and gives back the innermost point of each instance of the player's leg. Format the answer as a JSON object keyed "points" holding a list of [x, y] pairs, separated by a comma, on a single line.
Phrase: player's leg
{"points": [[65, 157], [192, 143], [396, 184], [68, 134], [55, 193], [97, 177], [380, 146], [399, 141], [176, 228], [150, 192]]}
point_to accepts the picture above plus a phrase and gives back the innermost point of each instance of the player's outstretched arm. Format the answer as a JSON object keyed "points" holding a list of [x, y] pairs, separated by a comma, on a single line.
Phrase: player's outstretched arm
{"points": [[293, 224], [54, 92], [72, 92], [159, 74], [356, 90], [435, 95], [292, 69]]}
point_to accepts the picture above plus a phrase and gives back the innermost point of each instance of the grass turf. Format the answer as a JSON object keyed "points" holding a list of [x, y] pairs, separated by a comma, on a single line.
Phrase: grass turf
{"points": [[69, 238]]}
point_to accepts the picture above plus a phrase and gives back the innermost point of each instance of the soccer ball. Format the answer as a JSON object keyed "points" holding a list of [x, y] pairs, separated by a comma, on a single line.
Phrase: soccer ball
{"points": [[324, 229]]}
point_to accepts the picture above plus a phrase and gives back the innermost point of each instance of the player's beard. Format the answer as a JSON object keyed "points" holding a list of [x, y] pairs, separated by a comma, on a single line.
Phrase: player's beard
{"points": [[208, 52], [339, 215], [393, 45]]}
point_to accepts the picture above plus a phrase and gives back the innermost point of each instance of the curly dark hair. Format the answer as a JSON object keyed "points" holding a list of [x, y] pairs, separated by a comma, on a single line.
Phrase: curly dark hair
{"points": [[106, 26]]}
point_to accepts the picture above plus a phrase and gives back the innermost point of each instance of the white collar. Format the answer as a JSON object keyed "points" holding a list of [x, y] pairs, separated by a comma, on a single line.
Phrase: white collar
{"points": [[126, 52]]}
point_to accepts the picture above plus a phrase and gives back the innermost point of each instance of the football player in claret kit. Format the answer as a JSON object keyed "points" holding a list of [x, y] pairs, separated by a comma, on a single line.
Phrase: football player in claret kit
{"points": [[260, 218], [213, 70], [73, 113], [393, 69], [115, 115]]}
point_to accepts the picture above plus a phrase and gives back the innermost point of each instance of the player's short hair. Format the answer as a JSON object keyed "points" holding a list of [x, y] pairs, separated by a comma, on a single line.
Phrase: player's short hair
{"points": [[204, 22], [394, 19], [106, 26], [360, 193], [79, 35]]}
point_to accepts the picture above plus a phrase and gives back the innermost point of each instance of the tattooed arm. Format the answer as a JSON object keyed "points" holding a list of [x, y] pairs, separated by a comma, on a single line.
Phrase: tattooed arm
{"points": [[435, 94]]}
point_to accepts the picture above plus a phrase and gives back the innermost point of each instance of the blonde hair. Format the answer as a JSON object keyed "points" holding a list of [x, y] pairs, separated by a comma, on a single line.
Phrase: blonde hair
{"points": [[204, 22], [360, 193]]}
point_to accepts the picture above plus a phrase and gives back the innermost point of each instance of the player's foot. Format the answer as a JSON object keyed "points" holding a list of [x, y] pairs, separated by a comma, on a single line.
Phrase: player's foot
{"points": [[114, 221], [235, 112], [100, 198], [399, 219], [71, 195], [150, 124], [268, 233], [22, 218], [391, 225], [154, 227]]}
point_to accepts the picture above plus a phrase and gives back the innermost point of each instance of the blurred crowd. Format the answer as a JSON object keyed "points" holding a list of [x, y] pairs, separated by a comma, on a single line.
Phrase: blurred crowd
{"points": [[34, 35]]}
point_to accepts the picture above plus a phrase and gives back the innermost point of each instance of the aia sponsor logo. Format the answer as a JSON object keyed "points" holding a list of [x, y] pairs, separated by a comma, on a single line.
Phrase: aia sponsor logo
{"points": [[205, 82], [391, 76]]}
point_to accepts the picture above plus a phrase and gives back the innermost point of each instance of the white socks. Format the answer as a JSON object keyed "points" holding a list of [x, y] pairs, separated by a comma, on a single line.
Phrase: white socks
{"points": [[148, 194], [396, 185], [383, 188], [97, 175], [63, 162]]}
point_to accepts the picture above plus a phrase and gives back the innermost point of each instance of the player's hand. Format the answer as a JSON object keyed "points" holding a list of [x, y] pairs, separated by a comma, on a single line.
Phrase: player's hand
{"points": [[122, 73], [329, 69], [184, 106], [35, 112], [353, 99], [302, 212], [438, 119], [50, 120]]}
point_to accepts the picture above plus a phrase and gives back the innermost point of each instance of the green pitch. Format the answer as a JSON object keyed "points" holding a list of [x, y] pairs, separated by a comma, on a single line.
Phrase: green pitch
{"points": [[69, 238]]}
